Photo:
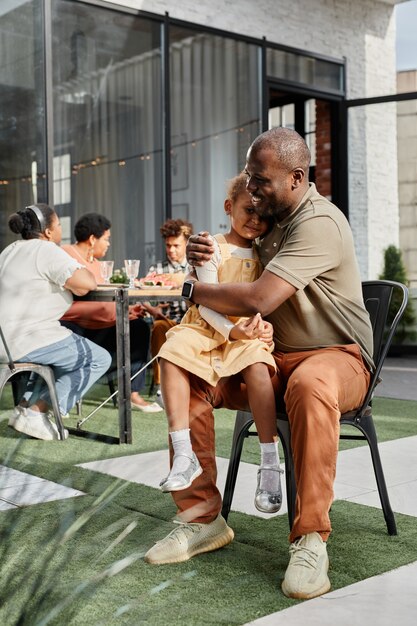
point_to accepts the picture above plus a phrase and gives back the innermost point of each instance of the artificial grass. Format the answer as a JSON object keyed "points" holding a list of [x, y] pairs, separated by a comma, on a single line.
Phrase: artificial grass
{"points": [[225, 587], [39, 569], [393, 419]]}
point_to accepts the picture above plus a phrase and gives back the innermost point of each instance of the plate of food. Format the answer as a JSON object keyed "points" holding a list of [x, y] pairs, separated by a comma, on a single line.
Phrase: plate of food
{"points": [[158, 282], [152, 286]]}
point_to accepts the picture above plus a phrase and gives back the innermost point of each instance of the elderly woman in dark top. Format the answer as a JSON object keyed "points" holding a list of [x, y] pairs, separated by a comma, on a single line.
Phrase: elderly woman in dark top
{"points": [[97, 320]]}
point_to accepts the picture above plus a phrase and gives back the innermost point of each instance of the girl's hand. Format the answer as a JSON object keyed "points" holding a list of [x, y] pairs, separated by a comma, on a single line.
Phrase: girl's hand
{"points": [[252, 328], [267, 333]]}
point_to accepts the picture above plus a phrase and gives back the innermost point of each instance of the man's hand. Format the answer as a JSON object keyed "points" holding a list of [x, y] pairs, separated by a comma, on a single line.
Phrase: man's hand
{"points": [[157, 312], [199, 248], [252, 328], [136, 311]]}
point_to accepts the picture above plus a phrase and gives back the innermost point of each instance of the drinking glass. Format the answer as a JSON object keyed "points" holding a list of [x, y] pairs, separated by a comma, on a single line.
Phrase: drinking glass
{"points": [[132, 270], [106, 270]]}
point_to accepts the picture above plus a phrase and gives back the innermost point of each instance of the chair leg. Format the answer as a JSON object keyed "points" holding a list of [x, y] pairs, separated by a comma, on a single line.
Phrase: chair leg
{"points": [[48, 376], [285, 439], [112, 390], [368, 429], [243, 422]]}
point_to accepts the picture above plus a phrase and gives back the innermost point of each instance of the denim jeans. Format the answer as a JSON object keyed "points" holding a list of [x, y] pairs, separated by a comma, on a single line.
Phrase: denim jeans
{"points": [[77, 364]]}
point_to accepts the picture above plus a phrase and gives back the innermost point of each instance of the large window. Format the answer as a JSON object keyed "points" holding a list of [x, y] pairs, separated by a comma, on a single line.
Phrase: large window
{"points": [[214, 117], [320, 74], [22, 110], [108, 124], [106, 131]]}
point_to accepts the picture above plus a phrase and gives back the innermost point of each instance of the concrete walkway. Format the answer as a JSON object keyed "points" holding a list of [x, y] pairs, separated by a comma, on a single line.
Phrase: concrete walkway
{"points": [[383, 600]]}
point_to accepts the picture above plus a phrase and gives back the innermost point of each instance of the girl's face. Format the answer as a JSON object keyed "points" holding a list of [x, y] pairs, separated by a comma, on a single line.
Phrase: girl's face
{"points": [[245, 224], [101, 245]]}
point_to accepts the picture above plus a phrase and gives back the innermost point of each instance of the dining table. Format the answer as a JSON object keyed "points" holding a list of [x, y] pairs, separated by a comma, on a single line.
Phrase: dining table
{"points": [[123, 296]]}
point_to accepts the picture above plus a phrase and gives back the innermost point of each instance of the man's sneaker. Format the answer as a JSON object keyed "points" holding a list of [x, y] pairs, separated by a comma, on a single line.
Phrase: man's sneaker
{"points": [[187, 540], [36, 425], [182, 480], [306, 575]]}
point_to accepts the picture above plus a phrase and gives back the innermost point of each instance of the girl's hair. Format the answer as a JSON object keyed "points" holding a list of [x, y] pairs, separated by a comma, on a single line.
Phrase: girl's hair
{"points": [[235, 186], [32, 221], [91, 224]]}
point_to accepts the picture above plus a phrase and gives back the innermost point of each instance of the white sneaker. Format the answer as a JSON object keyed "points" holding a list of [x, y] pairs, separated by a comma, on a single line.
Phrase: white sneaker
{"points": [[187, 540], [13, 416], [36, 425], [147, 408], [306, 575]]}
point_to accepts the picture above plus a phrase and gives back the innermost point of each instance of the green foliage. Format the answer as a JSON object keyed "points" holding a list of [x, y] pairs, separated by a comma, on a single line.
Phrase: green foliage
{"points": [[119, 276], [394, 269]]}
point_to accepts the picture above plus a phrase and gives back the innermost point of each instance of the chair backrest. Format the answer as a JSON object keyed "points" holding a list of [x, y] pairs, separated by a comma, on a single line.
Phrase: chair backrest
{"points": [[6, 347], [377, 296]]}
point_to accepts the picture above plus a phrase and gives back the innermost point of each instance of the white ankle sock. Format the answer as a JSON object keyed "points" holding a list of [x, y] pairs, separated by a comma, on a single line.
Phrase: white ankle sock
{"points": [[270, 480], [181, 443]]}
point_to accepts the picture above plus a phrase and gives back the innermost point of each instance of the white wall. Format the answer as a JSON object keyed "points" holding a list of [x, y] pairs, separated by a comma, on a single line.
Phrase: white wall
{"points": [[363, 31]]}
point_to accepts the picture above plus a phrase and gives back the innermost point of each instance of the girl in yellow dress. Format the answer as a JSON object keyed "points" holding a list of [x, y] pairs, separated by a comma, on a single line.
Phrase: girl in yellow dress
{"points": [[211, 346]]}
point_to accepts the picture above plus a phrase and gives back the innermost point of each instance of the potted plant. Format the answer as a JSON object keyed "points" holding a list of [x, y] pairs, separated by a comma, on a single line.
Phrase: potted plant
{"points": [[394, 269]]}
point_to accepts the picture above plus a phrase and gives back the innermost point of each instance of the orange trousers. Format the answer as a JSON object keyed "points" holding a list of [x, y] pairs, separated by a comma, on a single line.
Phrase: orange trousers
{"points": [[317, 386], [158, 338]]}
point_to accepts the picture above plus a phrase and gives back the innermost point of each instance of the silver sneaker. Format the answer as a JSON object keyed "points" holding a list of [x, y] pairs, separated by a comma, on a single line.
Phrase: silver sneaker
{"points": [[268, 501], [182, 480], [190, 539], [159, 399]]}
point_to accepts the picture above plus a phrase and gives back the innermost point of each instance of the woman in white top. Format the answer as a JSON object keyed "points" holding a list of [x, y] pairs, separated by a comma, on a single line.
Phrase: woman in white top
{"points": [[212, 346], [37, 280]]}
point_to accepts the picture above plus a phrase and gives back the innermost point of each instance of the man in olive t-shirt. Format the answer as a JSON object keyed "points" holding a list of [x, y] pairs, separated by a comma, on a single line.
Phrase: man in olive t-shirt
{"points": [[310, 291]]}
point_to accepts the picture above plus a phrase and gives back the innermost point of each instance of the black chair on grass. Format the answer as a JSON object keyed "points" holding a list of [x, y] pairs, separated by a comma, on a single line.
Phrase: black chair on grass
{"points": [[377, 295], [11, 369]]}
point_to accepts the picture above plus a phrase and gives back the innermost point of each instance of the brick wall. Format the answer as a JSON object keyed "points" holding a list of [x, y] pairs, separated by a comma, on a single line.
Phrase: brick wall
{"points": [[323, 149]]}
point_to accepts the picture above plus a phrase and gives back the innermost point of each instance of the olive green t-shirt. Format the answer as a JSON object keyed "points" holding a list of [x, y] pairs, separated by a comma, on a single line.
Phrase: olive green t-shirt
{"points": [[312, 249]]}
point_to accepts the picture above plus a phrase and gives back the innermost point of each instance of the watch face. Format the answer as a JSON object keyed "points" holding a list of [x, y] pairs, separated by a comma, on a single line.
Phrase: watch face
{"points": [[187, 289]]}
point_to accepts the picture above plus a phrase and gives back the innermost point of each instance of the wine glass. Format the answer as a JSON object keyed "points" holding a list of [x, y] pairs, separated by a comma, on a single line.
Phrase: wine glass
{"points": [[132, 270], [106, 270]]}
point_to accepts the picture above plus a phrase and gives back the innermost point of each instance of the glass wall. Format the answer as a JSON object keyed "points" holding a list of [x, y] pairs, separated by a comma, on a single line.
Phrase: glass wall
{"points": [[298, 68], [215, 114], [108, 124], [22, 110], [111, 123]]}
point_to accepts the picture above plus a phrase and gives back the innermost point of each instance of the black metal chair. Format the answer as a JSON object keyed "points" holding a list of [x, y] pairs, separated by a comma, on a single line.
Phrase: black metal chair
{"points": [[377, 295], [11, 369]]}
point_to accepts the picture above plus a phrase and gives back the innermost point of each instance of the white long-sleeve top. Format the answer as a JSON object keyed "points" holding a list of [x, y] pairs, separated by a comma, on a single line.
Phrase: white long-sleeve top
{"points": [[208, 273]]}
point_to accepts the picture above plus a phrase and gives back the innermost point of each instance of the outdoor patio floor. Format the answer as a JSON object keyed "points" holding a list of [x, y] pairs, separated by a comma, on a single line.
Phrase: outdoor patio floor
{"points": [[381, 600]]}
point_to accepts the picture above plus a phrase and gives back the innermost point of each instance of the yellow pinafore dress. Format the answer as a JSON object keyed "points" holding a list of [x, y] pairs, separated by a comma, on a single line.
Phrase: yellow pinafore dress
{"points": [[198, 348]]}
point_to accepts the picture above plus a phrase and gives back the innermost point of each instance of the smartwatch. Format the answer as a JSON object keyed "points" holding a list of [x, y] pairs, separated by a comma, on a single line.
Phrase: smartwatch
{"points": [[187, 290]]}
